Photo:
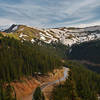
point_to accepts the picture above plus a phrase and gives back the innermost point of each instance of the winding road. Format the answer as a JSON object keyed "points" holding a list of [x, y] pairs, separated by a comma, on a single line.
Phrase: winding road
{"points": [[57, 81], [66, 70]]}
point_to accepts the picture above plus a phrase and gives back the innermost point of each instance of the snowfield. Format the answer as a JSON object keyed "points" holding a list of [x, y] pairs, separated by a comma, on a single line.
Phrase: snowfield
{"points": [[71, 36], [67, 36]]}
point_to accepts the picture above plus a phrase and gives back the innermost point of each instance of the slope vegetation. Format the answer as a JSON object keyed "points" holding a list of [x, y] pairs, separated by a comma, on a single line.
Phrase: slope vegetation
{"points": [[23, 59], [88, 51]]}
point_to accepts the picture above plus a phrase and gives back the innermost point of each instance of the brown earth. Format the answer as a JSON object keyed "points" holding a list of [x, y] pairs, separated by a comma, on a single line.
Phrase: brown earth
{"points": [[25, 87], [48, 91]]}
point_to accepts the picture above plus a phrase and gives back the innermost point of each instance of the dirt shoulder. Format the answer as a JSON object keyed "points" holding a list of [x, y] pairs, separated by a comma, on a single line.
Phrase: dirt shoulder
{"points": [[49, 88], [24, 89]]}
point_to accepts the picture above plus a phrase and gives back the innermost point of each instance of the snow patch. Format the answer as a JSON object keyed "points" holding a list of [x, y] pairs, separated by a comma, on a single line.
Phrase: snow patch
{"points": [[98, 35], [32, 40], [15, 28], [42, 36], [22, 35], [21, 29], [3, 28]]}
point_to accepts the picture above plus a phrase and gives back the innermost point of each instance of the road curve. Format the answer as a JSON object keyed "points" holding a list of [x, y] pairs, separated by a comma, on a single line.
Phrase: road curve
{"points": [[66, 70]]}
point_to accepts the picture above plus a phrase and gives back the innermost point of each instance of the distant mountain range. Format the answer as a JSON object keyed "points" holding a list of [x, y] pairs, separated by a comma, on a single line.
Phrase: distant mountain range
{"points": [[65, 35]]}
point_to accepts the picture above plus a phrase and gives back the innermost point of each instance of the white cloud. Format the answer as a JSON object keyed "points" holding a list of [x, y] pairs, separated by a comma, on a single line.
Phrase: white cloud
{"points": [[63, 13], [87, 24], [4, 21]]}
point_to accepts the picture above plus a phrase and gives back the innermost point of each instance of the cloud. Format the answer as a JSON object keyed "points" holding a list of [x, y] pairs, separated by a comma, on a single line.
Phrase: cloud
{"points": [[4, 21], [50, 13], [87, 24]]}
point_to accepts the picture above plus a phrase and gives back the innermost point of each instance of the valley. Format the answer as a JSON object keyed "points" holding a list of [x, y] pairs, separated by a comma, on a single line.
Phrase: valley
{"points": [[49, 49]]}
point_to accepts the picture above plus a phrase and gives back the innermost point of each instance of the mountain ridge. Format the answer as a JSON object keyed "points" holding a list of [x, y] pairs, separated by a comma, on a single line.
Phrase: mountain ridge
{"points": [[65, 35]]}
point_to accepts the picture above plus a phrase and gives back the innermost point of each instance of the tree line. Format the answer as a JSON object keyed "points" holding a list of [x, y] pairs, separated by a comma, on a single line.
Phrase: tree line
{"points": [[23, 59], [82, 84], [88, 51]]}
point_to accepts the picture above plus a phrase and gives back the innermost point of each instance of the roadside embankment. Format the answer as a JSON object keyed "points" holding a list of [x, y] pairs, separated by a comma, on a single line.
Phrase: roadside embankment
{"points": [[24, 89]]}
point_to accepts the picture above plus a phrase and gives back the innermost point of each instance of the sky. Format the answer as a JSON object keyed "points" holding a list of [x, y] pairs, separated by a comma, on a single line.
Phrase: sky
{"points": [[50, 13]]}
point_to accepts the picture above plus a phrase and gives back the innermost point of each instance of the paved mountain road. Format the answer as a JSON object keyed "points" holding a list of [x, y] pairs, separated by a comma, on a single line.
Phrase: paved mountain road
{"points": [[66, 70]]}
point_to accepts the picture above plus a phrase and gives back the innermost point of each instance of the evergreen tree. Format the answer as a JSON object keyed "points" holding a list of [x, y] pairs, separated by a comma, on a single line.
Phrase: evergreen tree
{"points": [[38, 95]]}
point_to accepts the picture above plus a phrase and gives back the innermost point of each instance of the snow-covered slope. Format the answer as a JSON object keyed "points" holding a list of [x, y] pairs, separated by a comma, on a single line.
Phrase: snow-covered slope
{"points": [[2, 28], [67, 36], [92, 28]]}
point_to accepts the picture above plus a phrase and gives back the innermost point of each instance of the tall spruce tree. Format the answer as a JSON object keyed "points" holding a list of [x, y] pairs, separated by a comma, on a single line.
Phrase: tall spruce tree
{"points": [[38, 95]]}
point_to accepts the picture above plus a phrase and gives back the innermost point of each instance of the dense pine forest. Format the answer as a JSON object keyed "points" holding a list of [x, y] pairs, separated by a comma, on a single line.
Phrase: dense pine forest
{"points": [[82, 84], [7, 92], [23, 59], [88, 51], [38, 95]]}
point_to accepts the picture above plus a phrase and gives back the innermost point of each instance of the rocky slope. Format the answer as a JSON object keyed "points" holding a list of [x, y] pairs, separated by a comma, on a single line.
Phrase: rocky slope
{"points": [[67, 36]]}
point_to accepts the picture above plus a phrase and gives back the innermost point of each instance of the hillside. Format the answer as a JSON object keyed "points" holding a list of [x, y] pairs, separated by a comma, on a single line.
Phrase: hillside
{"points": [[28, 54], [23, 59], [88, 51], [82, 84], [64, 35]]}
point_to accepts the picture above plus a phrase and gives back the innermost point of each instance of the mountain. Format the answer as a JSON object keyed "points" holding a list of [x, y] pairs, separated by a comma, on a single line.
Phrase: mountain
{"points": [[88, 51], [65, 35], [92, 28], [47, 52], [4, 27]]}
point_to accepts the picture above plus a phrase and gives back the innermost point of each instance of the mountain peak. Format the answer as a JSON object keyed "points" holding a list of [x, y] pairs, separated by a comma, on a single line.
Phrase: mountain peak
{"points": [[66, 35], [12, 28]]}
